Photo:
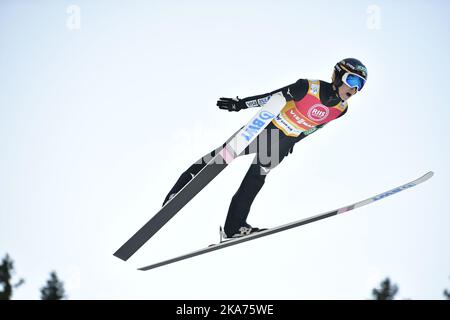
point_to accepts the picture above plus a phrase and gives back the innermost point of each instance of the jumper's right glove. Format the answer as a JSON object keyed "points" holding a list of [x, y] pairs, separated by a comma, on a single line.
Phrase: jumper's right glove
{"points": [[231, 104]]}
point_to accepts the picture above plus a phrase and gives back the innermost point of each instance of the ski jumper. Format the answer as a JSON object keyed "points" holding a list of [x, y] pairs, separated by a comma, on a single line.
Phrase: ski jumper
{"points": [[310, 105]]}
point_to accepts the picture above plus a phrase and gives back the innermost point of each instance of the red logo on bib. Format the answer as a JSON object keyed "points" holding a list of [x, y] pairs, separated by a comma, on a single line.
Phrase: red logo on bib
{"points": [[318, 112]]}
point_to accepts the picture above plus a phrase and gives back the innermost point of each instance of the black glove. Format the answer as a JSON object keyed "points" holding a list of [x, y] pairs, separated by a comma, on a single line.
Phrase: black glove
{"points": [[231, 104]]}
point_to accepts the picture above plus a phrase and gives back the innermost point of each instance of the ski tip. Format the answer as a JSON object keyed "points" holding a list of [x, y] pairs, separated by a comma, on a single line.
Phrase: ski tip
{"points": [[428, 175], [423, 178]]}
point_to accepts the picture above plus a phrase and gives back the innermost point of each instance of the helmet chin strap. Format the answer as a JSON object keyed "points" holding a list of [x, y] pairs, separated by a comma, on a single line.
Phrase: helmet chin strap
{"points": [[336, 89]]}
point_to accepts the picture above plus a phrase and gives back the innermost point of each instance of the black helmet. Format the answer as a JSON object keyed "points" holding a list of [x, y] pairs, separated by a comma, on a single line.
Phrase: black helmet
{"points": [[350, 66]]}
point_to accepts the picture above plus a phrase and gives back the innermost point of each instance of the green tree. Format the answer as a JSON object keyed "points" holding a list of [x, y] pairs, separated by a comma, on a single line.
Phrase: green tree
{"points": [[6, 272], [447, 294], [387, 290], [54, 288]]}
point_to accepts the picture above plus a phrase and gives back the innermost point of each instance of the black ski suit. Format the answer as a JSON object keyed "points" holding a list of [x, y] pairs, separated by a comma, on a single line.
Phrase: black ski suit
{"points": [[256, 175]]}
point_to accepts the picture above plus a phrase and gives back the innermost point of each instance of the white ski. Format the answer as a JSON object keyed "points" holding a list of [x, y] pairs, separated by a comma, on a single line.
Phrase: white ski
{"points": [[291, 225]]}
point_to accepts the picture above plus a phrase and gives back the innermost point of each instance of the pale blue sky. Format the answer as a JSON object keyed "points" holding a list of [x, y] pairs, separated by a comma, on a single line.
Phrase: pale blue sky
{"points": [[97, 123]]}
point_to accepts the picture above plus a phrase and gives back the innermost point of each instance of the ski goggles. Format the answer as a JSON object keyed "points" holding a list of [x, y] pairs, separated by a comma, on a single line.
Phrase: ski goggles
{"points": [[353, 81]]}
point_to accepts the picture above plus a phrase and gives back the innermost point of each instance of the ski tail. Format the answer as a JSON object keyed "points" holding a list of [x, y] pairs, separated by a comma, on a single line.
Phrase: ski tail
{"points": [[201, 180]]}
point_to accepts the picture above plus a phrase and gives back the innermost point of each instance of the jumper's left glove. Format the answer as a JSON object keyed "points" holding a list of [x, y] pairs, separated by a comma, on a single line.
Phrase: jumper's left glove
{"points": [[231, 104]]}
